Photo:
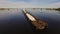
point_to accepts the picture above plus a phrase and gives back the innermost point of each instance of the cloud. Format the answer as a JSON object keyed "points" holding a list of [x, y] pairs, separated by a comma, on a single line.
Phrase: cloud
{"points": [[57, 5], [44, 0], [31, 4], [21, 4]]}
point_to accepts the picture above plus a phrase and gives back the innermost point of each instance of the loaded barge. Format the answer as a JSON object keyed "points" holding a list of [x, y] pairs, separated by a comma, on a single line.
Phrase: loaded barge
{"points": [[37, 23]]}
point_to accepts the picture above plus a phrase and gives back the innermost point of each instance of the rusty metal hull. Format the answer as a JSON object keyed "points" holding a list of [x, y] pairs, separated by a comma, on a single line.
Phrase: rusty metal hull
{"points": [[38, 24]]}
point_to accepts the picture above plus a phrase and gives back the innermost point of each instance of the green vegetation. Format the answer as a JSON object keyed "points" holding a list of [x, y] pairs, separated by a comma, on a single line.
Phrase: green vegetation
{"points": [[58, 9], [2, 8]]}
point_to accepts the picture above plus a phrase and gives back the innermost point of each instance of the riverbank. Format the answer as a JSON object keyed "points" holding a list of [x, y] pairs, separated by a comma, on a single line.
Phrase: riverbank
{"points": [[57, 9]]}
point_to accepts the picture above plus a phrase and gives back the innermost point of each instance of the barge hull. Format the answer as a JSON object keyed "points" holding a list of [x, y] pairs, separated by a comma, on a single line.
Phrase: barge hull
{"points": [[38, 23]]}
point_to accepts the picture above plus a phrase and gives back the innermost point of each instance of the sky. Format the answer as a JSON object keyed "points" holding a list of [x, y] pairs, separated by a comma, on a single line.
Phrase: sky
{"points": [[29, 3]]}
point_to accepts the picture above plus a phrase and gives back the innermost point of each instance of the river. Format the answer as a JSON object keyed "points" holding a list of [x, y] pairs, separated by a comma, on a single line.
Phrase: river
{"points": [[14, 21]]}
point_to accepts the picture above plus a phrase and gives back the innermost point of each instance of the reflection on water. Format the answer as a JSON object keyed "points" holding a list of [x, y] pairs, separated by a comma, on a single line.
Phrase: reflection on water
{"points": [[14, 21]]}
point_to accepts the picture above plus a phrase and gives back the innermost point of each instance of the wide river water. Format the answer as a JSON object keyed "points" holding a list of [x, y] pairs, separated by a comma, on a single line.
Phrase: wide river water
{"points": [[14, 21]]}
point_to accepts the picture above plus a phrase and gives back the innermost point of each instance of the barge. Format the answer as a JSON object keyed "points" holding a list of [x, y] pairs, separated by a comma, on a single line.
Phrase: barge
{"points": [[37, 23]]}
